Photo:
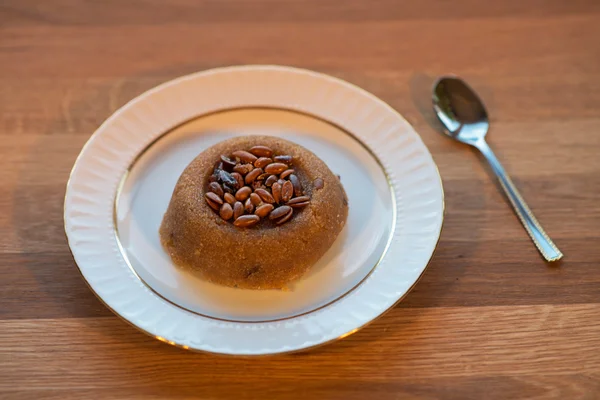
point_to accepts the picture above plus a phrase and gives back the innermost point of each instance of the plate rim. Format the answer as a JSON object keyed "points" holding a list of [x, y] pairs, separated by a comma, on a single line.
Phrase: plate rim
{"points": [[264, 68]]}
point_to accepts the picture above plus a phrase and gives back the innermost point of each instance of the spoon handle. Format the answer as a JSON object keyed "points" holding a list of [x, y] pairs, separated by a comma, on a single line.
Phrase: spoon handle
{"points": [[546, 247]]}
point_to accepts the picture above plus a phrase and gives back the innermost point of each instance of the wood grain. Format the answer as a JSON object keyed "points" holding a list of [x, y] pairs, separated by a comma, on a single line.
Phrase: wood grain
{"points": [[489, 319]]}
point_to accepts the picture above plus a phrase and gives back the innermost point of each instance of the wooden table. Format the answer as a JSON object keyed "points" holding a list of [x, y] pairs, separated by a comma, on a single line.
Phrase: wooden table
{"points": [[489, 319]]}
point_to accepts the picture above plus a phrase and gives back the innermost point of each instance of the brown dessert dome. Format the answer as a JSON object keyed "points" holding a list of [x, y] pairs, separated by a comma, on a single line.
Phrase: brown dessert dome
{"points": [[253, 212]]}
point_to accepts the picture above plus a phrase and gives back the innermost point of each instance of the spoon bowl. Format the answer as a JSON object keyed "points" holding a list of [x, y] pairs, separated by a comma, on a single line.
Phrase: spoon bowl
{"points": [[460, 110]]}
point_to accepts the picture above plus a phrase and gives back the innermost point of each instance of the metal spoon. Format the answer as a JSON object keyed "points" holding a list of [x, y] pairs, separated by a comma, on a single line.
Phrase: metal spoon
{"points": [[465, 119]]}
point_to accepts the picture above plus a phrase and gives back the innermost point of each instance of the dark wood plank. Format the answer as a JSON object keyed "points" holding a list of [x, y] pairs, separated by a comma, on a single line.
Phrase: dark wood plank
{"points": [[417, 344], [578, 386], [116, 13]]}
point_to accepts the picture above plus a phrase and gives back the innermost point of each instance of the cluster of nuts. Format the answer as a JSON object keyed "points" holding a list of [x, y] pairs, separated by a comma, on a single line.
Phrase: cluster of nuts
{"points": [[249, 185]]}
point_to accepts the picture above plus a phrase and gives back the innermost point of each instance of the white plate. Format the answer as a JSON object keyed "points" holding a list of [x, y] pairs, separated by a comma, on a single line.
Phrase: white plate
{"points": [[123, 179]]}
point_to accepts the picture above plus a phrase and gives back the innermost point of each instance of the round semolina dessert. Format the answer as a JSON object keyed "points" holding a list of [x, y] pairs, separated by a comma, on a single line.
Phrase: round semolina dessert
{"points": [[253, 212]]}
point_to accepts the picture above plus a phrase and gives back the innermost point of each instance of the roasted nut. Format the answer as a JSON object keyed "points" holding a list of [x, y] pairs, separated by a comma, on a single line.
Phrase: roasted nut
{"points": [[283, 159], [276, 192], [286, 173], [285, 218], [297, 187], [243, 193], [226, 211], [298, 202], [261, 151], [279, 212], [238, 178], [214, 197], [213, 205], [216, 188], [240, 169], [252, 175], [248, 206], [229, 198], [300, 205], [238, 209], [271, 180], [264, 210], [245, 221], [212, 178], [262, 162], [228, 163], [281, 181], [256, 200], [262, 177], [213, 201], [244, 156], [275, 168], [265, 196], [287, 191], [243, 169], [258, 185], [319, 184]]}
